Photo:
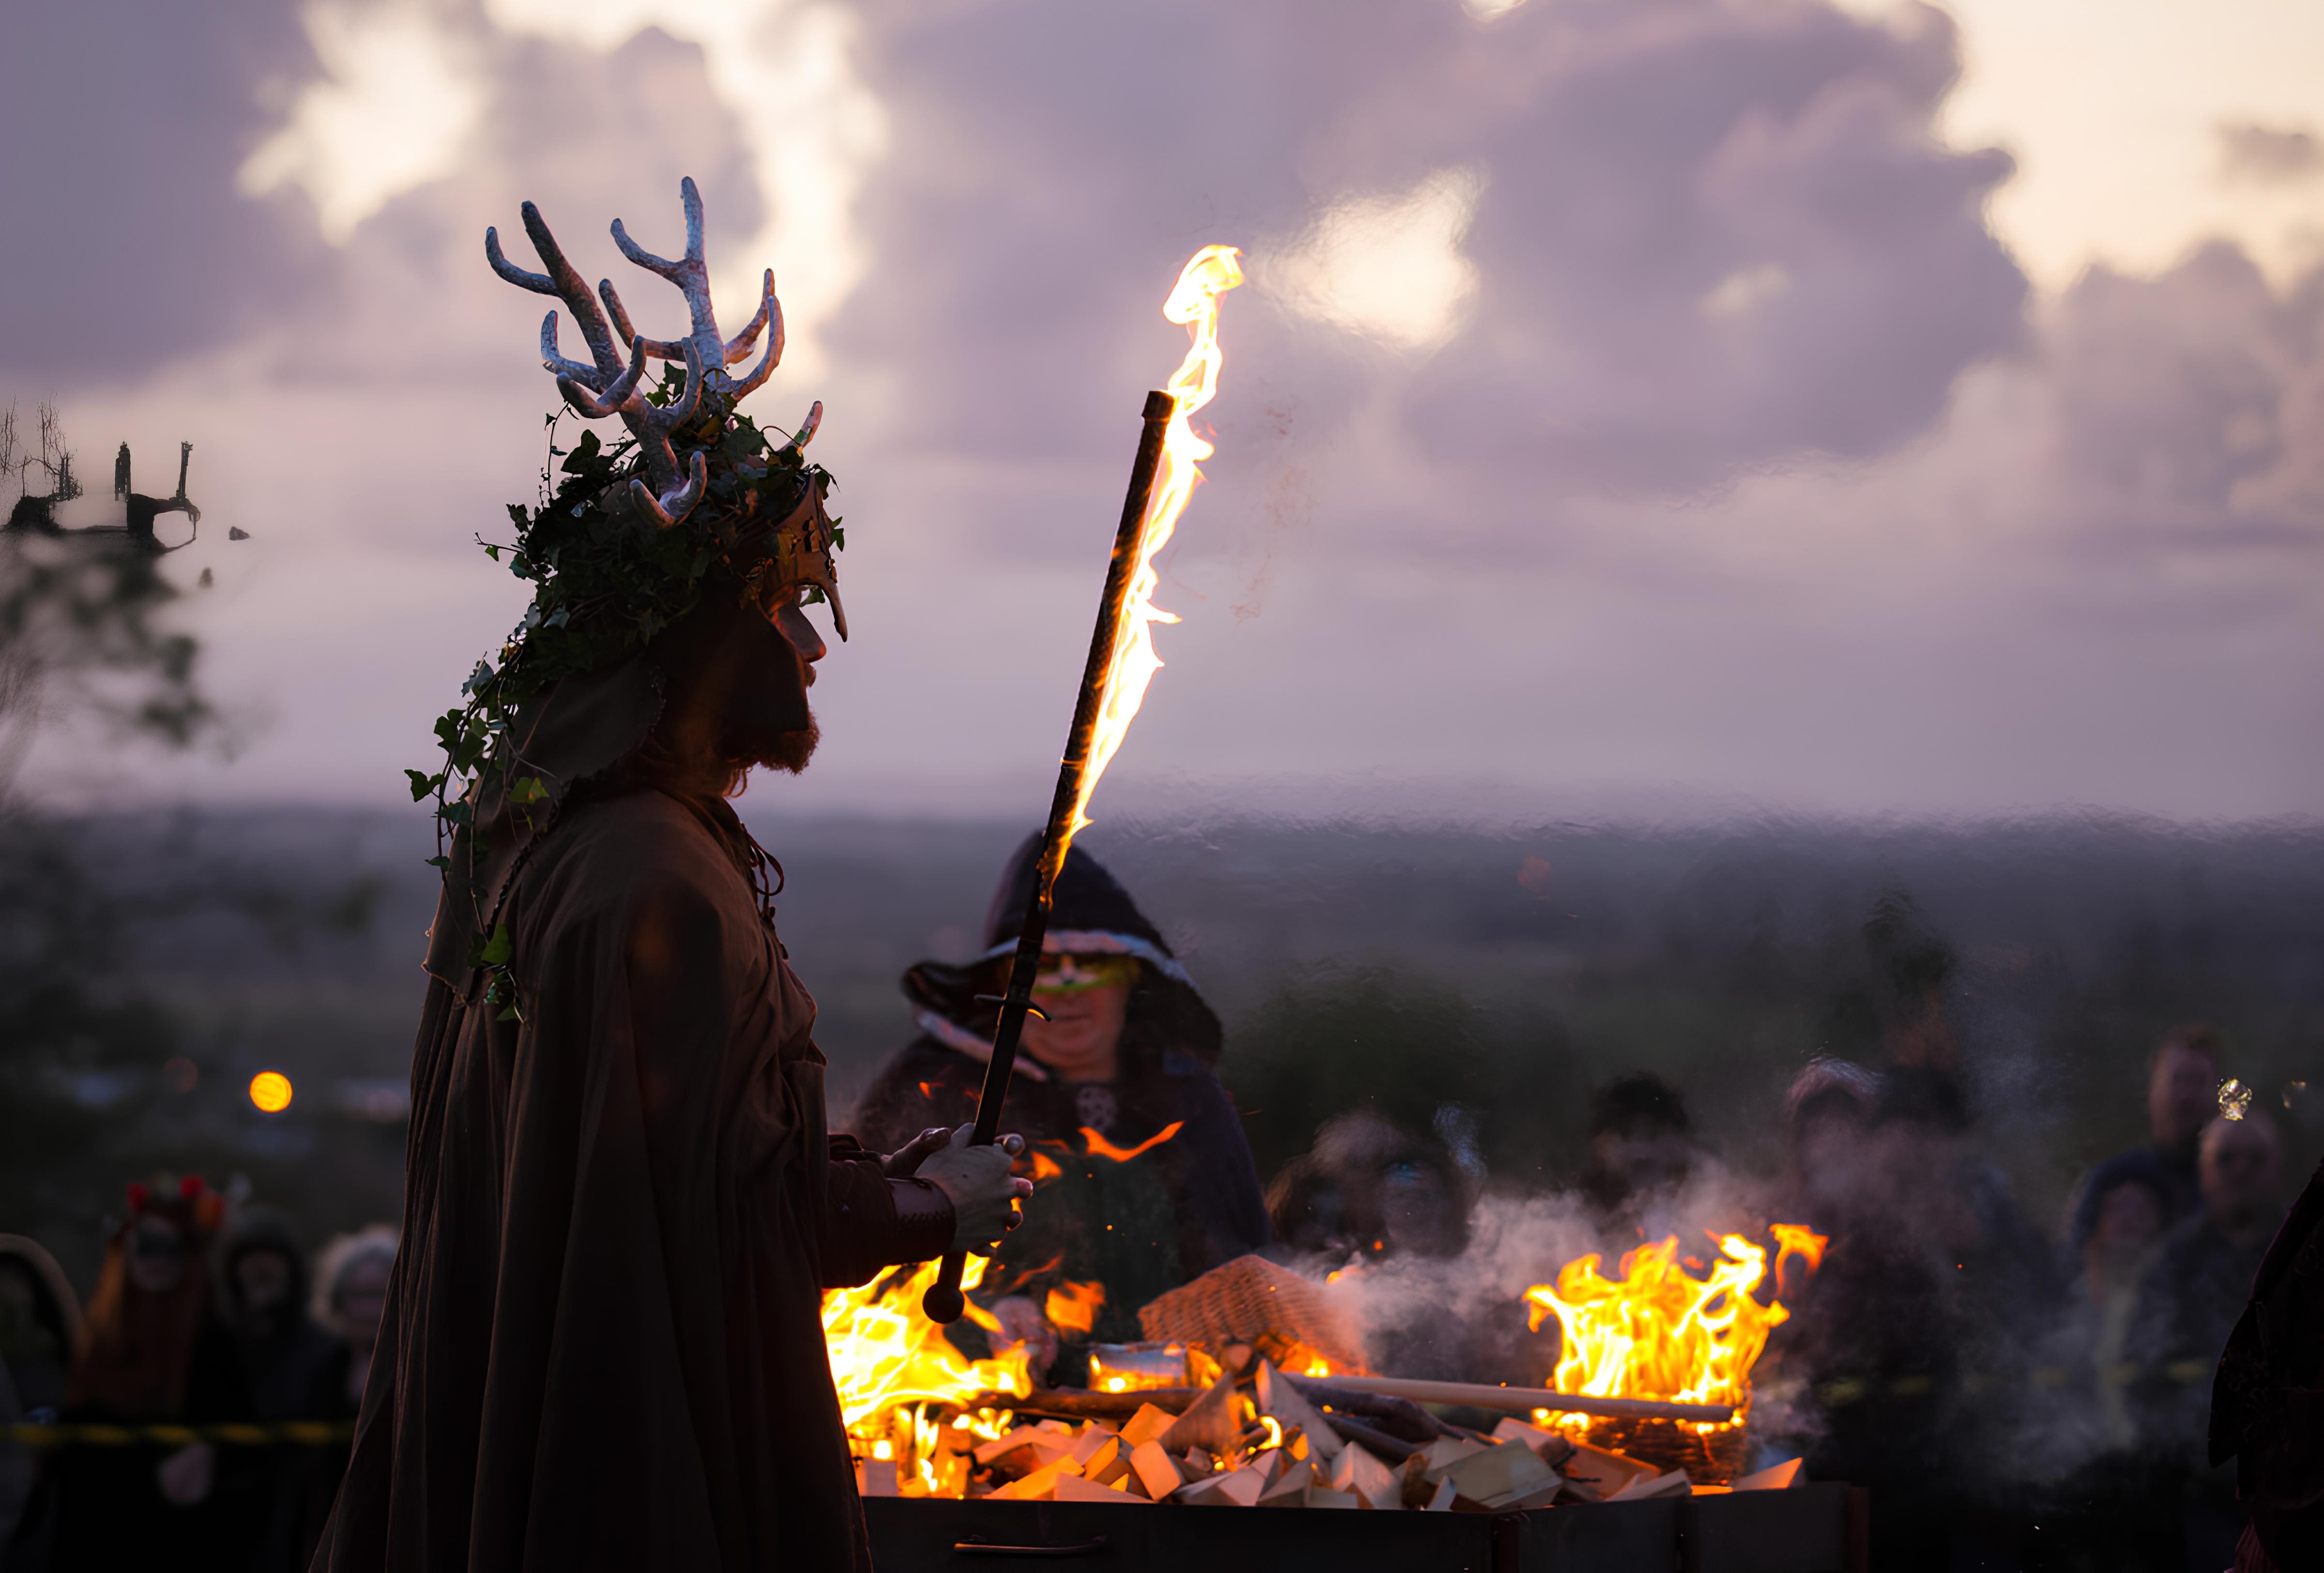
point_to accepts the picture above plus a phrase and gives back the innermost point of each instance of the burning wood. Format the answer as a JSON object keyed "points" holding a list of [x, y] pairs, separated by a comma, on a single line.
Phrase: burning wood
{"points": [[927, 1421], [1535, 1399]]}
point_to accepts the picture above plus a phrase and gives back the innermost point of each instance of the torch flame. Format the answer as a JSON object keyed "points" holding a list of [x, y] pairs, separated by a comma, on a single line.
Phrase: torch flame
{"points": [[1209, 274], [1656, 1332]]}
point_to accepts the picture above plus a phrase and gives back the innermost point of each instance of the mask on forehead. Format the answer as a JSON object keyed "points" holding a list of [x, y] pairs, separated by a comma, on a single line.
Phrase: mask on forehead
{"points": [[792, 563]]}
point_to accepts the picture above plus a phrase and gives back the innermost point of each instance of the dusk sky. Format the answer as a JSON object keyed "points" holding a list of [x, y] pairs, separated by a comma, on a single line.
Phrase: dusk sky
{"points": [[1636, 407]]}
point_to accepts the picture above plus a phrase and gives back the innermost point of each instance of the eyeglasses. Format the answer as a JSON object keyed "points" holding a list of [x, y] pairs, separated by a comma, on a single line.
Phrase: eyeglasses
{"points": [[1073, 974]]}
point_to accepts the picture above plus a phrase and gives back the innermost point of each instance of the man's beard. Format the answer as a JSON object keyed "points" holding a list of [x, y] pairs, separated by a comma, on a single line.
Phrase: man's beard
{"points": [[785, 750]]}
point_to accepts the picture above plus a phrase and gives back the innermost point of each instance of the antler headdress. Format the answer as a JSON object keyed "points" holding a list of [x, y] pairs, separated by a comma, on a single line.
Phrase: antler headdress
{"points": [[629, 537], [611, 388]]}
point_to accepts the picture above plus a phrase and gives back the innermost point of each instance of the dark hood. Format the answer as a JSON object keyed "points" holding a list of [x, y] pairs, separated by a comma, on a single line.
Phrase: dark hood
{"points": [[580, 730], [1090, 913]]}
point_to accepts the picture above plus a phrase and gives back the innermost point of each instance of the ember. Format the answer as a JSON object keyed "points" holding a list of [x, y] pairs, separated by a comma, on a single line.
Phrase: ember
{"points": [[1100, 1148], [1073, 1307]]}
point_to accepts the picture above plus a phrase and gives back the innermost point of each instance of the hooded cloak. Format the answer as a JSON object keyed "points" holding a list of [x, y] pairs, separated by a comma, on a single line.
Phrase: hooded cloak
{"points": [[1138, 1225], [602, 1346]]}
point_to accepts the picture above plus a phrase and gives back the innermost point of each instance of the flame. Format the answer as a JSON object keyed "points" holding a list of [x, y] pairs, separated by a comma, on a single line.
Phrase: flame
{"points": [[885, 1353], [1074, 1306], [1655, 1332], [1044, 1167], [1797, 1240], [1101, 1148], [1193, 302]]}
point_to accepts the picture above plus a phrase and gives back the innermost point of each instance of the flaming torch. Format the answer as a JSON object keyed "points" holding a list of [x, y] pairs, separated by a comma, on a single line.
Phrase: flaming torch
{"points": [[1122, 662]]}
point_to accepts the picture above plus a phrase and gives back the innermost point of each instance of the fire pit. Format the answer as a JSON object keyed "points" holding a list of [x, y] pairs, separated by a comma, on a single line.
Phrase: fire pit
{"points": [[1814, 1528], [1652, 1399]]}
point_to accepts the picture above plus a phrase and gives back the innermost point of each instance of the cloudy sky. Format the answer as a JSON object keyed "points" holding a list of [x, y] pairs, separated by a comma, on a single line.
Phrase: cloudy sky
{"points": [[1636, 406]]}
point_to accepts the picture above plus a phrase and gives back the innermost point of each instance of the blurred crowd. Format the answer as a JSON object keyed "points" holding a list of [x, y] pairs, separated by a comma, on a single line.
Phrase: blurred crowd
{"points": [[2016, 1396], [205, 1391]]}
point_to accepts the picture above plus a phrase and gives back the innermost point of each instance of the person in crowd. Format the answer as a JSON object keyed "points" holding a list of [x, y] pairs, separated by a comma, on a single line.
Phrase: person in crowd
{"points": [[1370, 1188], [40, 1328], [1828, 1113], [296, 1371], [2182, 1081], [2267, 1399], [2128, 1224], [1642, 1154], [351, 1294], [2102, 1502], [2189, 1301], [152, 1352], [1372, 1192], [1144, 1178], [1961, 1209], [1907, 1344]]}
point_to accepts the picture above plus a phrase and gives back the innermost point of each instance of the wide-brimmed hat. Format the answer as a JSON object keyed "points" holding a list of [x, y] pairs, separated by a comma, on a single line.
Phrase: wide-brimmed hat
{"points": [[1089, 914]]}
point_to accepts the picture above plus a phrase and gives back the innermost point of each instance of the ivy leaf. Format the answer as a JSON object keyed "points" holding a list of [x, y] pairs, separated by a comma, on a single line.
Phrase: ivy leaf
{"points": [[528, 790], [422, 783], [584, 455], [496, 950], [441, 861], [510, 1015]]}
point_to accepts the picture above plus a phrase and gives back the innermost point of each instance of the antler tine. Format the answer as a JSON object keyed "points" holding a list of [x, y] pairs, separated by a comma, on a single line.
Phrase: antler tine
{"points": [[670, 508], [616, 399], [563, 283], [538, 283], [688, 274], [659, 348], [774, 355], [738, 347], [552, 358], [810, 426]]}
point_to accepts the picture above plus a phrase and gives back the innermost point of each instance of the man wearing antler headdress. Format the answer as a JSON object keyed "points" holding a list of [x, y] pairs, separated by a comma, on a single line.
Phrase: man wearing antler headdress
{"points": [[602, 1346]]}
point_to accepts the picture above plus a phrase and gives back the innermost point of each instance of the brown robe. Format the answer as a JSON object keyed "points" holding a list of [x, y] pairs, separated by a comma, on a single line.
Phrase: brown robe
{"points": [[602, 1346]]}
